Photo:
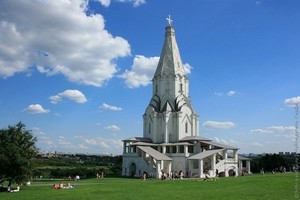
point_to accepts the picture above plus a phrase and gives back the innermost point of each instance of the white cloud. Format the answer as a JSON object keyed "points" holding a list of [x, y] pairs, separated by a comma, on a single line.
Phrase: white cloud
{"points": [[104, 143], [91, 142], [104, 3], [73, 95], [228, 93], [59, 38], [260, 131], [141, 72], [43, 141], [38, 131], [218, 93], [36, 109], [291, 102], [218, 125], [135, 3], [112, 128], [275, 129], [110, 107], [55, 99], [187, 68]]}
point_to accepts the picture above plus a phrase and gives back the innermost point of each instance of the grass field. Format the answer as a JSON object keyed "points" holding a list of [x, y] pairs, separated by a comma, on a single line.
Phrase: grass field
{"points": [[268, 186]]}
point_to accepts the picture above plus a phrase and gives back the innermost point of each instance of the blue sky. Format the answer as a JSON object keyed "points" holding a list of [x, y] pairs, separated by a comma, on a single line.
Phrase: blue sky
{"points": [[78, 73]]}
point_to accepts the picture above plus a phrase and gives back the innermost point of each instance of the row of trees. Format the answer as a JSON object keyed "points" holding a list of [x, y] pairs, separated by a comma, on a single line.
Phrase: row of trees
{"points": [[273, 162], [64, 166]]}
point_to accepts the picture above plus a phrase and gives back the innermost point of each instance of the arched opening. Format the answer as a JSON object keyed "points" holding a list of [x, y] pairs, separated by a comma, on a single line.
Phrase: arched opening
{"points": [[232, 172], [132, 169]]}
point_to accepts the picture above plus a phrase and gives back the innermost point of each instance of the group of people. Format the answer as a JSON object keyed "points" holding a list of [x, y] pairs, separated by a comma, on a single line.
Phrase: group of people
{"points": [[62, 186], [9, 187], [171, 175], [99, 175]]}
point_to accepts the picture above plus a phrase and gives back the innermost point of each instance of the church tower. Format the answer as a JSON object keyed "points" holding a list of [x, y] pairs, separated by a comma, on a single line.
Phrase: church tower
{"points": [[171, 140], [170, 116]]}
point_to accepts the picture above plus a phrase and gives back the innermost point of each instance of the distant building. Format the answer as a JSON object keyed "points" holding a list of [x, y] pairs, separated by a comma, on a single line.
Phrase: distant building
{"points": [[171, 141]]}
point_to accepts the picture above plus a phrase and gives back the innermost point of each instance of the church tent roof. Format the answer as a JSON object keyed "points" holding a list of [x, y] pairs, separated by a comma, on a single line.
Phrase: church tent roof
{"points": [[204, 154], [193, 138], [144, 144], [220, 145], [244, 158], [161, 144], [174, 144], [155, 154], [138, 139]]}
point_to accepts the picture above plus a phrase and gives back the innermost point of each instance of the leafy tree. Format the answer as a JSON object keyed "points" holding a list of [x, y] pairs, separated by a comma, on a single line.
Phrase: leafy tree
{"points": [[17, 152]]}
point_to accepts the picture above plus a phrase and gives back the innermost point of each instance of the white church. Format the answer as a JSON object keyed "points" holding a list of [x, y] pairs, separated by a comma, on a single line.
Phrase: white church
{"points": [[171, 141]]}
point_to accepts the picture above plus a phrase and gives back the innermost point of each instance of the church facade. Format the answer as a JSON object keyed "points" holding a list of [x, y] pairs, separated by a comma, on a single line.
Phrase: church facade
{"points": [[171, 141]]}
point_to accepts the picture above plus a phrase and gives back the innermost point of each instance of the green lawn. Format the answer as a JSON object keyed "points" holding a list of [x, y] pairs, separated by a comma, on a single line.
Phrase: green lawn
{"points": [[268, 186]]}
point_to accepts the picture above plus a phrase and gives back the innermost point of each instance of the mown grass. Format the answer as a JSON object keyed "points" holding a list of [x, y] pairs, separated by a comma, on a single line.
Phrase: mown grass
{"points": [[268, 186]]}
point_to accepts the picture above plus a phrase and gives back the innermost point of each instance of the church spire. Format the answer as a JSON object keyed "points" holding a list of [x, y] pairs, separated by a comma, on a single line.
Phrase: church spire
{"points": [[169, 115], [170, 60]]}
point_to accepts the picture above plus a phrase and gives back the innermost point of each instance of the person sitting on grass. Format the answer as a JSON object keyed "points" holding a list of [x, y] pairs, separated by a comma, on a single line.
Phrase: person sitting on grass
{"points": [[16, 190], [56, 186], [206, 176]]}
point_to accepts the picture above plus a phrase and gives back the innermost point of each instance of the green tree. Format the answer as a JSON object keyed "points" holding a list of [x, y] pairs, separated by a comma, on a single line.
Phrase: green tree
{"points": [[17, 153]]}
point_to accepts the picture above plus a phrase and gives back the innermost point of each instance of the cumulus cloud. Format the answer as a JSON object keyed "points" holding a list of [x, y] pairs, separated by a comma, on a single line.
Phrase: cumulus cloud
{"points": [[58, 38], [104, 3], [291, 102], [110, 107], [36, 109], [73, 95], [103, 143], [142, 71], [187, 68], [218, 125], [228, 93], [43, 140], [135, 3], [112, 128], [274, 129]]}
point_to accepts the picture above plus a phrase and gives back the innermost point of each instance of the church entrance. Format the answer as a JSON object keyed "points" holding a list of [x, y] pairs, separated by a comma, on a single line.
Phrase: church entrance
{"points": [[132, 169]]}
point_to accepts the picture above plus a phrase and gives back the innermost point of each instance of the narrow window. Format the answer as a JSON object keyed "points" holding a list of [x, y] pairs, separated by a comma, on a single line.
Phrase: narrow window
{"points": [[149, 128], [186, 127]]}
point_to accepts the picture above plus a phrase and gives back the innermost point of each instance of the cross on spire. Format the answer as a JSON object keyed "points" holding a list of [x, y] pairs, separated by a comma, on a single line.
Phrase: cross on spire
{"points": [[169, 20]]}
